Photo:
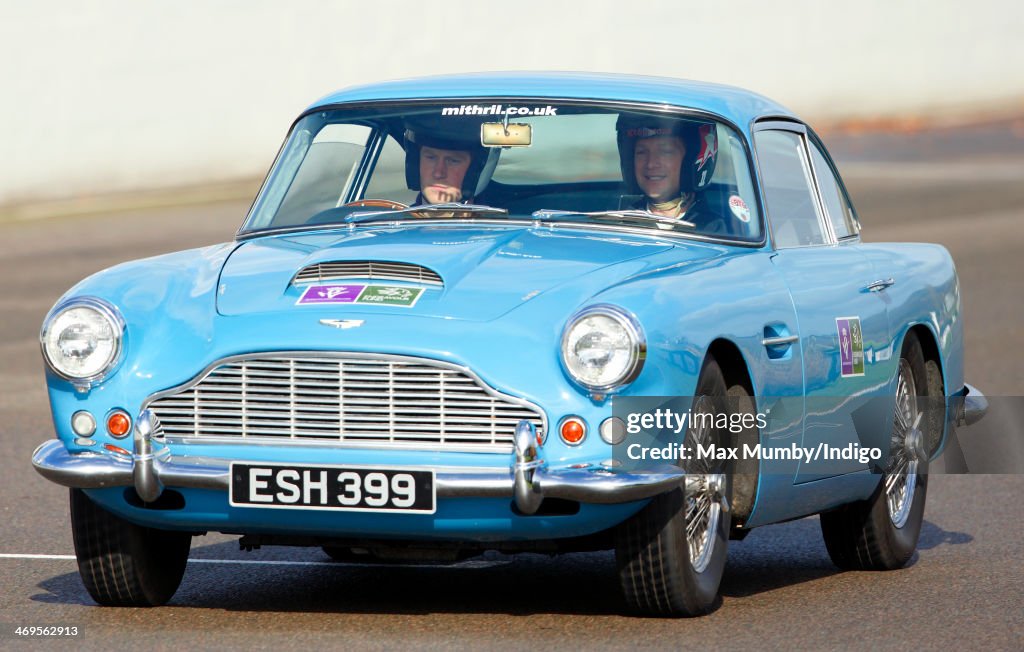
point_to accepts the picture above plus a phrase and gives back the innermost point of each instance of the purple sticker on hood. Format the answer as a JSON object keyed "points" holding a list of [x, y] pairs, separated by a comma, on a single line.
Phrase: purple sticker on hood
{"points": [[331, 294]]}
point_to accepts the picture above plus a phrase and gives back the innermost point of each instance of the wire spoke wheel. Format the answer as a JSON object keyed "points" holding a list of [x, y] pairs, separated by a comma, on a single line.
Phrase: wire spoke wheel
{"points": [[901, 474], [703, 488], [881, 533], [671, 554]]}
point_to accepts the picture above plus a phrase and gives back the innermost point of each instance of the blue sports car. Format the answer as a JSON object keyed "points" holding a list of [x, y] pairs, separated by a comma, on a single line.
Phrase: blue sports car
{"points": [[516, 312]]}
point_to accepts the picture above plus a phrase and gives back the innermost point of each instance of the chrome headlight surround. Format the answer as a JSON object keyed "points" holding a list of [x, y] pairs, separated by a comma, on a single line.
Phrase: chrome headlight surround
{"points": [[627, 325], [106, 312]]}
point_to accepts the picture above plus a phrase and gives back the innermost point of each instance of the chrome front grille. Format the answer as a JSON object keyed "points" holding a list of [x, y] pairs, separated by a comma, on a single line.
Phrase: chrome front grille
{"points": [[345, 399], [366, 269]]}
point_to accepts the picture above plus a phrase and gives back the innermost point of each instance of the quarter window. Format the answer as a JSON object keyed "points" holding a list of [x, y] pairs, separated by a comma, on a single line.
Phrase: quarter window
{"points": [[840, 211], [786, 178]]}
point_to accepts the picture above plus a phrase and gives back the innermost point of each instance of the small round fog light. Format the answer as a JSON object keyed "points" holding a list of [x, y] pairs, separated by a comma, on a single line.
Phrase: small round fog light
{"points": [[613, 430], [83, 424], [572, 430], [118, 423]]}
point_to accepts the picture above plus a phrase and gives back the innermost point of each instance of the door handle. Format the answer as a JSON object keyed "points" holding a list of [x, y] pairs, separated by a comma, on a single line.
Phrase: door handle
{"points": [[780, 340], [879, 285]]}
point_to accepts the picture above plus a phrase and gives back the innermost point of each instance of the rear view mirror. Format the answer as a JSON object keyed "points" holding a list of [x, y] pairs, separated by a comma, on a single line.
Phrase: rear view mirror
{"points": [[497, 134]]}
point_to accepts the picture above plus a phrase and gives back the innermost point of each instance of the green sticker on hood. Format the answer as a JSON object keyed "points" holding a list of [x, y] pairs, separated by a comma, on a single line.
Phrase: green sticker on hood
{"points": [[390, 295]]}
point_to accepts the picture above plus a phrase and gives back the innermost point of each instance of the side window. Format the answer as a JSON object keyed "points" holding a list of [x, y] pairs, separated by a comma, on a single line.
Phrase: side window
{"points": [[388, 179], [786, 178], [840, 211]]}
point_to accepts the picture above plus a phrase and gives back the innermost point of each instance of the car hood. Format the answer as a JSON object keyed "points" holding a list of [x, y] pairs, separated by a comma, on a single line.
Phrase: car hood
{"points": [[486, 271]]}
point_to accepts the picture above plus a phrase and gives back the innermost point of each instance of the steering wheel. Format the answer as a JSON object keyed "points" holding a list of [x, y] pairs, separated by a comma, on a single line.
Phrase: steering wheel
{"points": [[376, 203]]}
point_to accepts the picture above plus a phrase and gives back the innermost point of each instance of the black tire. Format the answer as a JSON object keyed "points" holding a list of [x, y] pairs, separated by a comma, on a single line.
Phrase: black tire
{"points": [[651, 548], [863, 535], [123, 564]]}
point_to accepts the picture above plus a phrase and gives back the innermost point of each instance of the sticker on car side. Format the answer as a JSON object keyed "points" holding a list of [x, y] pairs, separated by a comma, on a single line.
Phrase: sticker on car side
{"points": [[739, 208], [851, 346]]}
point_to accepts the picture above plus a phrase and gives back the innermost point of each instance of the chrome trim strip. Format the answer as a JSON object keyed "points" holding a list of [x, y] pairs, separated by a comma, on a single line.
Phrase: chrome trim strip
{"points": [[369, 444]]}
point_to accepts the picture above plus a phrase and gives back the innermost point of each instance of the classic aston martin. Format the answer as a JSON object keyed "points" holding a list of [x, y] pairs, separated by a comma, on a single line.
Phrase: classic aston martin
{"points": [[516, 312]]}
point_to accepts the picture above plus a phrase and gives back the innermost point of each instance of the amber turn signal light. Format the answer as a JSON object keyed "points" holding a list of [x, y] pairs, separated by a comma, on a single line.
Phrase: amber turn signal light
{"points": [[118, 423], [572, 430]]}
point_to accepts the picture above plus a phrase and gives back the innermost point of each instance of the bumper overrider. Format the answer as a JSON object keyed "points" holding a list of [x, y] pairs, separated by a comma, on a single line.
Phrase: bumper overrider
{"points": [[528, 480], [970, 407]]}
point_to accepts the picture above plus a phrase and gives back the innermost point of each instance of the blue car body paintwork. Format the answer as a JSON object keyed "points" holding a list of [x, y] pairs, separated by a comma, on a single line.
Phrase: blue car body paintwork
{"points": [[509, 290]]}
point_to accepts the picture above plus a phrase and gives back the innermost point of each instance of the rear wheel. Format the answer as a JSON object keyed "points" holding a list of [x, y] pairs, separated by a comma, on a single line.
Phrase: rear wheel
{"points": [[882, 533], [671, 554], [123, 564]]}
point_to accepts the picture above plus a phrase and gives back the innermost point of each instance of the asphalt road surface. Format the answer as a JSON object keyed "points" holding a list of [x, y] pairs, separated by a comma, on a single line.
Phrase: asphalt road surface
{"points": [[964, 587]]}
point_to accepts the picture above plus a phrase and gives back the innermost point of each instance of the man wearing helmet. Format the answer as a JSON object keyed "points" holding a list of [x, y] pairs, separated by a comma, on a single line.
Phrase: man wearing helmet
{"points": [[669, 162], [445, 161], [442, 172]]}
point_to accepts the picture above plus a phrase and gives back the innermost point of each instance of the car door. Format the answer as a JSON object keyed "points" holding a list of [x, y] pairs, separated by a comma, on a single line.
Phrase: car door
{"points": [[840, 313]]}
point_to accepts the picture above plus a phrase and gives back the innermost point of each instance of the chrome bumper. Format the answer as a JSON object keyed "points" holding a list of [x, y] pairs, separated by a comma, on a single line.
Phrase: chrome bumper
{"points": [[527, 480]]}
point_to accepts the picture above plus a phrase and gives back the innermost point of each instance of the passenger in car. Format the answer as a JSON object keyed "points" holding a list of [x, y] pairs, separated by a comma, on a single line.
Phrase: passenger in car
{"points": [[669, 162], [445, 161]]}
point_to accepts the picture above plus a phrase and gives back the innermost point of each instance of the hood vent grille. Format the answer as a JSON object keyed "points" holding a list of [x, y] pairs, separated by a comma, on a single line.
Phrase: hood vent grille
{"points": [[366, 269]]}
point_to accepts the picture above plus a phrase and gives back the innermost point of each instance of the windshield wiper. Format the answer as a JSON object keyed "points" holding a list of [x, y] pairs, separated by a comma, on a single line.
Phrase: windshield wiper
{"points": [[632, 214], [431, 210]]}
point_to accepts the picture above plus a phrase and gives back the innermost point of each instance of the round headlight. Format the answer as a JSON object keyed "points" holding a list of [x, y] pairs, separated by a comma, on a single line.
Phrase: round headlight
{"points": [[603, 348], [81, 338]]}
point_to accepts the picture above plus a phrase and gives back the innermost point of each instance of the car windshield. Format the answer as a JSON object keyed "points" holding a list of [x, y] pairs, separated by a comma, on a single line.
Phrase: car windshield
{"points": [[566, 163]]}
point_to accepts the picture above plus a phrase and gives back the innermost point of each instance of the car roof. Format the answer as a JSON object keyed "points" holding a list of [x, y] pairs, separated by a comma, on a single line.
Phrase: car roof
{"points": [[734, 104]]}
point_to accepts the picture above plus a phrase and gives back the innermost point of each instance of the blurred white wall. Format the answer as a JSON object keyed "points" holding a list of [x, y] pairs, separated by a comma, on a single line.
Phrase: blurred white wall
{"points": [[115, 95]]}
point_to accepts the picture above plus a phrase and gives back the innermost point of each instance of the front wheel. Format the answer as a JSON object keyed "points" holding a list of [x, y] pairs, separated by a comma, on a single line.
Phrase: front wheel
{"points": [[123, 564], [882, 533], [671, 554]]}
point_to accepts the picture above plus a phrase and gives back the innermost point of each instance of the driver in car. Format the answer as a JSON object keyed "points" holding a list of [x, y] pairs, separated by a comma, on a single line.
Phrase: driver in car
{"points": [[445, 161], [669, 162]]}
